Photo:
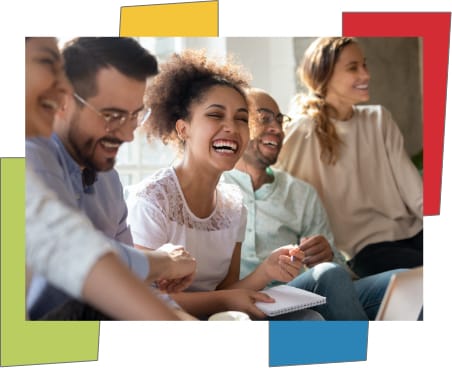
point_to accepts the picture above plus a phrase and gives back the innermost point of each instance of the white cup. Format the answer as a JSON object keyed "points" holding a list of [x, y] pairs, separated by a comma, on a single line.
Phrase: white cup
{"points": [[229, 316]]}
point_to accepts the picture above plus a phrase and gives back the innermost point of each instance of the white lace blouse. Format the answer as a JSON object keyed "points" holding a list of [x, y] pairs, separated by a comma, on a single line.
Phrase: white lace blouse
{"points": [[158, 214]]}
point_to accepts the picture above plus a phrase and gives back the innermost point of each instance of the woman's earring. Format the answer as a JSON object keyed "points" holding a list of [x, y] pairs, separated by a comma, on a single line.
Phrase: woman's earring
{"points": [[181, 138]]}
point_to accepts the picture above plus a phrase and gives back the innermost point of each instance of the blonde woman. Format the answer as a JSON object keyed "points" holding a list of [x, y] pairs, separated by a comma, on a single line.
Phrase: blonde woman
{"points": [[355, 158]]}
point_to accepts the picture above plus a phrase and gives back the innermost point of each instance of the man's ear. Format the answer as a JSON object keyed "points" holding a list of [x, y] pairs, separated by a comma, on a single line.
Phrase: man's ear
{"points": [[182, 129], [67, 105]]}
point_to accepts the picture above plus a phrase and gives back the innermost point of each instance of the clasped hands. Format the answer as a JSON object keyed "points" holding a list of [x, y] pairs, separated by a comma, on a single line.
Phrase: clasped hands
{"points": [[172, 268]]}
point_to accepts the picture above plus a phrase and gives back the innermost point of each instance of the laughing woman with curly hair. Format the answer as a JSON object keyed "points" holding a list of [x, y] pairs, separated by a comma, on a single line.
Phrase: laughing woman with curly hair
{"points": [[200, 105]]}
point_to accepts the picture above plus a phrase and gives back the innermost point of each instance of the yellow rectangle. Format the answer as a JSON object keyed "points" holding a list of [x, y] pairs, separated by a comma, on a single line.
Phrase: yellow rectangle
{"points": [[170, 20]]}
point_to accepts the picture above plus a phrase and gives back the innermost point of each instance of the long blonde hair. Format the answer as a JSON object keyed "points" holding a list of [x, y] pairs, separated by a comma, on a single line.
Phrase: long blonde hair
{"points": [[315, 72]]}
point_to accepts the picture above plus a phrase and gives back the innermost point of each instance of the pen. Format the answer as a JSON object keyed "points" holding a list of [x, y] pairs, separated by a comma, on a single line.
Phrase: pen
{"points": [[292, 258]]}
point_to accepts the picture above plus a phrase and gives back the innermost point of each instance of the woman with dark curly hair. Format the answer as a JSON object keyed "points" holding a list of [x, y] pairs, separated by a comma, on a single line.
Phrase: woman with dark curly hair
{"points": [[200, 104]]}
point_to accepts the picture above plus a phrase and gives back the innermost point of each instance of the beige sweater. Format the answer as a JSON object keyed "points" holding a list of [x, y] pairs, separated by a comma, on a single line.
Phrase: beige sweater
{"points": [[373, 193]]}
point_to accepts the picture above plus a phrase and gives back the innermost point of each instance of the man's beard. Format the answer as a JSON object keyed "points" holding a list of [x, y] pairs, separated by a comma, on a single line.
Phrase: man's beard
{"points": [[86, 159], [255, 157]]}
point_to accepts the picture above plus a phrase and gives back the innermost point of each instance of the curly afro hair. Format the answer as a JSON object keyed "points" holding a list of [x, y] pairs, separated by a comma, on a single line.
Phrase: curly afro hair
{"points": [[184, 79]]}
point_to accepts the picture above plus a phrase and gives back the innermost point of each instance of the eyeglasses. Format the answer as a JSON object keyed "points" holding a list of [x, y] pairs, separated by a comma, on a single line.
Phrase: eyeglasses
{"points": [[267, 117], [114, 119]]}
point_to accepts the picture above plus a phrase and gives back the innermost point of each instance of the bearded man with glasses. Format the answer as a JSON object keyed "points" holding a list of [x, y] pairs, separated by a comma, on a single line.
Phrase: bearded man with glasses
{"points": [[284, 212], [108, 76]]}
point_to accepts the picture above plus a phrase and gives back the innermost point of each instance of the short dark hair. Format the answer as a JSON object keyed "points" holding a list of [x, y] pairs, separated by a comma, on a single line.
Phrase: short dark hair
{"points": [[85, 56]]}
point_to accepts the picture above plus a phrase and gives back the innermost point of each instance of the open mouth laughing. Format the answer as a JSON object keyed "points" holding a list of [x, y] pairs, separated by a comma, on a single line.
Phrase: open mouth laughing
{"points": [[225, 146], [110, 145], [271, 142], [362, 87]]}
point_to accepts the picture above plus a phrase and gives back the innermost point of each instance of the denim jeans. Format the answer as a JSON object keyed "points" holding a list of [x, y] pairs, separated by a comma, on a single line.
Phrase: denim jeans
{"points": [[346, 299]]}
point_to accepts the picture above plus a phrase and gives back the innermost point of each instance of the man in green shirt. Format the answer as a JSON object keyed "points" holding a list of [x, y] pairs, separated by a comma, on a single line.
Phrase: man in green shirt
{"points": [[285, 210]]}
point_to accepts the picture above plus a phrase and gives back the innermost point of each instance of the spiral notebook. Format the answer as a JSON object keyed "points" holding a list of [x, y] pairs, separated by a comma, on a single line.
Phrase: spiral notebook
{"points": [[289, 299]]}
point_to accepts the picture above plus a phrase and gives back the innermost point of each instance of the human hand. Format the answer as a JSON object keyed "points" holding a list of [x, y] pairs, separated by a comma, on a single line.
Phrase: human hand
{"points": [[284, 263], [316, 250], [171, 267], [244, 300], [174, 285]]}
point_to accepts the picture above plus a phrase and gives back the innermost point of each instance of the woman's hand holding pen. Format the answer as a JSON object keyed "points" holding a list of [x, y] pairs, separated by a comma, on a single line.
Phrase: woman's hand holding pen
{"points": [[316, 250], [284, 263]]}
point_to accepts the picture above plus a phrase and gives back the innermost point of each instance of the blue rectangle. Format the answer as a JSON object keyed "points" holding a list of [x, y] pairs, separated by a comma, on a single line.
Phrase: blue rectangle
{"points": [[311, 342]]}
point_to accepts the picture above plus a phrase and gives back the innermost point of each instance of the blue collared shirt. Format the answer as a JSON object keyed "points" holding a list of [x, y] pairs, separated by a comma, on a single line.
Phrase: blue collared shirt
{"points": [[103, 204], [279, 213]]}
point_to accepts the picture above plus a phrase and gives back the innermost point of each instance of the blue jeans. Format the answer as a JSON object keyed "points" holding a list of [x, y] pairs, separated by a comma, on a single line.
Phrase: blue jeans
{"points": [[346, 299]]}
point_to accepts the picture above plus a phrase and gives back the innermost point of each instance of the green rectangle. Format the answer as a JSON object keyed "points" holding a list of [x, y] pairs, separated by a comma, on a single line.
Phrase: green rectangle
{"points": [[30, 342]]}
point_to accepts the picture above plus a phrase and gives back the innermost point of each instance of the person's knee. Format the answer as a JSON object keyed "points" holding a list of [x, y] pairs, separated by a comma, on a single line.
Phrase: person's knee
{"points": [[331, 273], [312, 315]]}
